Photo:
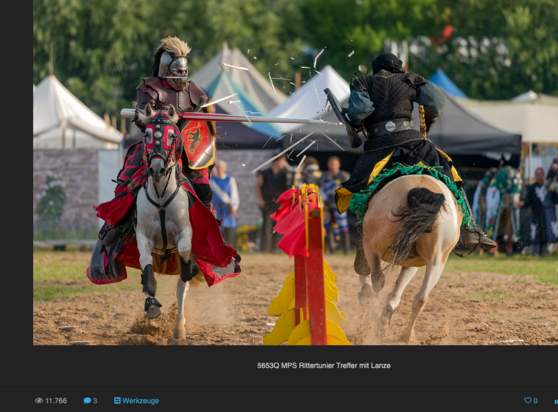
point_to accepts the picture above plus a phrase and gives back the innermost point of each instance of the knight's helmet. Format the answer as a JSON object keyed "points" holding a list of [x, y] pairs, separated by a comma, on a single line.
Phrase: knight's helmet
{"points": [[170, 62]]}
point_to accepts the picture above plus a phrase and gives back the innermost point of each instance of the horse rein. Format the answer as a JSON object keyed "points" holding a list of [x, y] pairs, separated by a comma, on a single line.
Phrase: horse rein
{"points": [[162, 208]]}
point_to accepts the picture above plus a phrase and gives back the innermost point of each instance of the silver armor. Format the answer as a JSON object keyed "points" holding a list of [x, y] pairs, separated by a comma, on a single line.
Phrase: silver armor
{"points": [[174, 71]]}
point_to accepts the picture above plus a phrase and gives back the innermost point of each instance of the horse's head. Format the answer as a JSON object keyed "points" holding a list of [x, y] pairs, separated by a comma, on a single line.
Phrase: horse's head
{"points": [[161, 141]]}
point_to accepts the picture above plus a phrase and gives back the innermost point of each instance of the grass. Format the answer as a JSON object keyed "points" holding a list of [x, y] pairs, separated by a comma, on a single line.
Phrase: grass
{"points": [[51, 232], [544, 268], [61, 275]]}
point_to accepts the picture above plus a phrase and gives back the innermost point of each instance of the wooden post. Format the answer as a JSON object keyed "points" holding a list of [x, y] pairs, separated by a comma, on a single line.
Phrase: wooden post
{"points": [[114, 122], [530, 160], [315, 277], [297, 81], [123, 125]]}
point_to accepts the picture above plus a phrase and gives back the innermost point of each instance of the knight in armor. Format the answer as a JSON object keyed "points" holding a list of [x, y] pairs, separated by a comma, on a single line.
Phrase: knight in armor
{"points": [[381, 104], [168, 84]]}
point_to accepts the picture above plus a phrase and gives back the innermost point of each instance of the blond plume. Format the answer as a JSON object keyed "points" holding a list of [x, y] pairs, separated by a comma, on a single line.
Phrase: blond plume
{"points": [[174, 46]]}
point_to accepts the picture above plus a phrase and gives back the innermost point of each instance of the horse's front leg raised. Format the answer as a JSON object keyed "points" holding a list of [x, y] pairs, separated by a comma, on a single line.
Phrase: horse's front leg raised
{"points": [[184, 249], [145, 247]]}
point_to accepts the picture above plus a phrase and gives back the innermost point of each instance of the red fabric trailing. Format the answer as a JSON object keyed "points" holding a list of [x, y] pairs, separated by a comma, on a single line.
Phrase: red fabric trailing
{"points": [[207, 242]]}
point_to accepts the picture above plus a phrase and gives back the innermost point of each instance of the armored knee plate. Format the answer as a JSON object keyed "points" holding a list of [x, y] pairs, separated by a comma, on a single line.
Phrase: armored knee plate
{"points": [[147, 280], [188, 270]]}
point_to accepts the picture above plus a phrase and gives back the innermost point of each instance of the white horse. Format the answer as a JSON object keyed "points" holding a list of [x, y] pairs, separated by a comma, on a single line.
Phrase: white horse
{"points": [[413, 221], [163, 220]]}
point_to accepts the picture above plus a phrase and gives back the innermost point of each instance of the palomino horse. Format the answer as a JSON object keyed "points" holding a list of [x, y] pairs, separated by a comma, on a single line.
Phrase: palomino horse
{"points": [[412, 221], [163, 224]]}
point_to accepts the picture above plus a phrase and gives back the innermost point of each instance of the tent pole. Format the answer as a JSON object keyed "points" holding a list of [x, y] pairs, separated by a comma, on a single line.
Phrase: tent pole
{"points": [[530, 160], [74, 139], [64, 137]]}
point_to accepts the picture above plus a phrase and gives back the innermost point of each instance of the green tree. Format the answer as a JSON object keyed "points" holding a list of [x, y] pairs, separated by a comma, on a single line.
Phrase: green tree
{"points": [[499, 48], [52, 199], [363, 26], [101, 47]]}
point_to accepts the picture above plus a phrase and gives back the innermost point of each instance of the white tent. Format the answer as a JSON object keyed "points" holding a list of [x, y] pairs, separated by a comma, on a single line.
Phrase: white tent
{"points": [[61, 120], [308, 102], [251, 81], [535, 123]]}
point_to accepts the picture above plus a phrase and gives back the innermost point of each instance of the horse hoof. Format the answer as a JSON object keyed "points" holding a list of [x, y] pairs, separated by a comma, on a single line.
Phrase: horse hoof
{"points": [[378, 282], [153, 312], [408, 337], [386, 315], [365, 295], [179, 334]]}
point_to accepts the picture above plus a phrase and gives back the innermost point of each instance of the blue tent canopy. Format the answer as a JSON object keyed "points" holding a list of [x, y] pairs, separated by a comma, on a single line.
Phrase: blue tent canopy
{"points": [[240, 135], [440, 79]]}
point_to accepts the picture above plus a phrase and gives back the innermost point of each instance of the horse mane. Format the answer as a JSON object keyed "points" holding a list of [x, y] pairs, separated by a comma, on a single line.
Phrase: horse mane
{"points": [[174, 46]]}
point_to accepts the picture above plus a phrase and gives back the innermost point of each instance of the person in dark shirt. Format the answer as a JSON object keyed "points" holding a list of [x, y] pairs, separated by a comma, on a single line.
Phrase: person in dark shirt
{"points": [[270, 185], [544, 227]]}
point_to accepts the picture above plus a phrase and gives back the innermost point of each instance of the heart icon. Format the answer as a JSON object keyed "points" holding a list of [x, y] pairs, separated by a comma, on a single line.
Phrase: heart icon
{"points": [[527, 400]]}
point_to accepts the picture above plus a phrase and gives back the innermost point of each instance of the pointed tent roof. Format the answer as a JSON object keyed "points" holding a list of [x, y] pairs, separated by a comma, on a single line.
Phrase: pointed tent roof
{"points": [[256, 86], [440, 79], [308, 102], [525, 97], [56, 108], [253, 93]]}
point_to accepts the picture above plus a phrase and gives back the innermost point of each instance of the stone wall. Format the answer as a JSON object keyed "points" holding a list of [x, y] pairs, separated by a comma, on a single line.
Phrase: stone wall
{"points": [[78, 169], [249, 211]]}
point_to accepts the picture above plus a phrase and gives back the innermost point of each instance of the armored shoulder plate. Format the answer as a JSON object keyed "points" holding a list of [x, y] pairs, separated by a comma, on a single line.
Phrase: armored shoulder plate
{"points": [[197, 95], [357, 83], [154, 87], [414, 79]]}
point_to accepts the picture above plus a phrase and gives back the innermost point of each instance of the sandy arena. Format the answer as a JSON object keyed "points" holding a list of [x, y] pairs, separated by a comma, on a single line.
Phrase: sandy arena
{"points": [[463, 309]]}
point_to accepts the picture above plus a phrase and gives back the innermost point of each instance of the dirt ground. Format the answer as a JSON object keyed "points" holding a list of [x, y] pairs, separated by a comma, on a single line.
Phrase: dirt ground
{"points": [[463, 309]]}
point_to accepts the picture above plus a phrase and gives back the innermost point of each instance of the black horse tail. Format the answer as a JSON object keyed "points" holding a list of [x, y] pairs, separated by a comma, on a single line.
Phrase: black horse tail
{"points": [[418, 217]]}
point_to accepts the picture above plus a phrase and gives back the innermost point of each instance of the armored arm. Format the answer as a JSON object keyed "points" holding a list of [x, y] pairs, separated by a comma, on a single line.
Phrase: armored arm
{"points": [[143, 97], [360, 105], [433, 101]]}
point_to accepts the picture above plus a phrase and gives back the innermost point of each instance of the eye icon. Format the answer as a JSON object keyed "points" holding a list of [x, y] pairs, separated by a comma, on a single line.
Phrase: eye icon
{"points": [[39, 400]]}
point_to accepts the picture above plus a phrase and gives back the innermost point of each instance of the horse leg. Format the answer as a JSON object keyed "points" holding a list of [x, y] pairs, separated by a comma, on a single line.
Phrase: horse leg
{"points": [[373, 284], [179, 331], [394, 297], [366, 293], [184, 249], [434, 269], [152, 305]]}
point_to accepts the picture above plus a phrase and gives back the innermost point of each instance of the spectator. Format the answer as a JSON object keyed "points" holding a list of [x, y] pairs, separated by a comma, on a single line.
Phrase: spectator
{"points": [[479, 199], [270, 185], [310, 174], [544, 228], [225, 201], [331, 181]]}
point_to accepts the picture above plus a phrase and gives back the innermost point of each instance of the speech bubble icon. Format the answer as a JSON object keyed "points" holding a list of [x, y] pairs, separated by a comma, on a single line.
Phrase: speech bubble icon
{"points": [[87, 400]]}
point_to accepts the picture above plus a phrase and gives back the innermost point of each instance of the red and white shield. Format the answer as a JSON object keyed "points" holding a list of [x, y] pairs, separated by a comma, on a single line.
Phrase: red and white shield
{"points": [[199, 143]]}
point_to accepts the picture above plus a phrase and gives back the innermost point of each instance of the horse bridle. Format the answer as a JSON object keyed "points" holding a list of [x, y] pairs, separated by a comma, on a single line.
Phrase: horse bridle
{"points": [[148, 156]]}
